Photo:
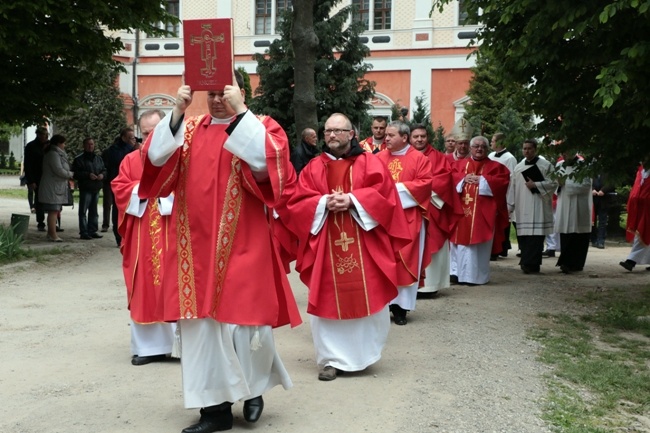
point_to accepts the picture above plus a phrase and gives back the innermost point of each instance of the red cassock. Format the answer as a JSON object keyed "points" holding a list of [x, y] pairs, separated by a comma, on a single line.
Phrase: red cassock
{"points": [[223, 262], [351, 273], [144, 243], [441, 222], [638, 210], [480, 219], [413, 170]]}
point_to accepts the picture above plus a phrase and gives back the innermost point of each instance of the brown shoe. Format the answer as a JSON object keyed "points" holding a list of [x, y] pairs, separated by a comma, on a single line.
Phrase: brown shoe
{"points": [[327, 373]]}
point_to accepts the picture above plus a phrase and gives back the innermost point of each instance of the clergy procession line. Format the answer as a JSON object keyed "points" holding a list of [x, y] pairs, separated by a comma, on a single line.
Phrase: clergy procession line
{"points": [[370, 225]]}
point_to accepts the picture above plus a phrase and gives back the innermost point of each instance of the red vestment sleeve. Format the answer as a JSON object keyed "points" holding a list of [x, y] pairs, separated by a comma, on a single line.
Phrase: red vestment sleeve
{"points": [[638, 210]]}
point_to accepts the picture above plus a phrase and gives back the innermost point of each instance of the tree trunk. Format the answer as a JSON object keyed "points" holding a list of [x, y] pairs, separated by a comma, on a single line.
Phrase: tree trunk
{"points": [[305, 44]]}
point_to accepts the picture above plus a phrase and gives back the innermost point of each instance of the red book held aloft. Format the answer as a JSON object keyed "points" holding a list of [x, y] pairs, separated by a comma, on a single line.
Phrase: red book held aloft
{"points": [[208, 48]]}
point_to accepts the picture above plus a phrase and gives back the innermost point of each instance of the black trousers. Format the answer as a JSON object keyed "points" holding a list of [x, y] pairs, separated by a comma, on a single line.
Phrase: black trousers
{"points": [[574, 250], [531, 251]]}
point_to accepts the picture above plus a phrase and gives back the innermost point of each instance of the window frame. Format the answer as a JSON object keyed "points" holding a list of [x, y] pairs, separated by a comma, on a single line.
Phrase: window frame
{"points": [[367, 13], [271, 21]]}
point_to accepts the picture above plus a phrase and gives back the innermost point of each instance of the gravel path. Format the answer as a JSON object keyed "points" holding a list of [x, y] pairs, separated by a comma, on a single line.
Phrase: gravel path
{"points": [[462, 364]]}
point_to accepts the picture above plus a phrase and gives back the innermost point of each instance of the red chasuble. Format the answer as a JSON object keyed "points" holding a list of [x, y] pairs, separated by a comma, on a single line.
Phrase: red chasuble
{"points": [[479, 221], [351, 273], [144, 243], [413, 170], [369, 146], [441, 222], [638, 210], [224, 263]]}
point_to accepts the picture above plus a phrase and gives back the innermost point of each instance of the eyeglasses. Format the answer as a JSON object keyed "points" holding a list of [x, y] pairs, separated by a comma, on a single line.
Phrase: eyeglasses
{"points": [[335, 131]]}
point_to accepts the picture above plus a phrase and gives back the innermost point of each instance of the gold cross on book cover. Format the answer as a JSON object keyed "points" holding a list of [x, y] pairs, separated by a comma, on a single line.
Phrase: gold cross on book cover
{"points": [[209, 54]]}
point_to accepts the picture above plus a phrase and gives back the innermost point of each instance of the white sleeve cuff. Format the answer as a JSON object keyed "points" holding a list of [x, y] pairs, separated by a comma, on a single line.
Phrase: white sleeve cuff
{"points": [[362, 217], [248, 142], [319, 216], [135, 207], [163, 143], [405, 196]]}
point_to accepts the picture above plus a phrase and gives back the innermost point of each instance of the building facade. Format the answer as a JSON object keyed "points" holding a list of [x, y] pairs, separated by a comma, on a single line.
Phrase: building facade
{"points": [[412, 53]]}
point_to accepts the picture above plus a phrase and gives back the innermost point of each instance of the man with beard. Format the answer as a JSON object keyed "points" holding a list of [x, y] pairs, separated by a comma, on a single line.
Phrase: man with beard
{"points": [[350, 225]]}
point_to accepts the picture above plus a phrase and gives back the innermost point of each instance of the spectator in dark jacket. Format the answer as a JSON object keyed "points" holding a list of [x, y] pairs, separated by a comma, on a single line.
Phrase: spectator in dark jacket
{"points": [[33, 164], [305, 150], [89, 172], [113, 156]]}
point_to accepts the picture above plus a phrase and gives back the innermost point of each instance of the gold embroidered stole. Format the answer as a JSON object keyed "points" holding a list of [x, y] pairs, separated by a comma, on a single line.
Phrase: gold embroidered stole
{"points": [[155, 235], [346, 259], [469, 200]]}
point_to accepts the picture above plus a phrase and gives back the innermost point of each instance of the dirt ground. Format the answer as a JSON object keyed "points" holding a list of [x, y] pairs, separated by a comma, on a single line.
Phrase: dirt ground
{"points": [[462, 364]]}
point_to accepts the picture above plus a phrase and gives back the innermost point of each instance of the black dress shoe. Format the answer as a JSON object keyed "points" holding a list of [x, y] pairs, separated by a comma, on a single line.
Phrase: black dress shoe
{"points": [[453, 279], [59, 229], [41, 229], [143, 360], [85, 237], [494, 257], [213, 418], [253, 409], [628, 264], [399, 314], [96, 236], [548, 253], [530, 269]]}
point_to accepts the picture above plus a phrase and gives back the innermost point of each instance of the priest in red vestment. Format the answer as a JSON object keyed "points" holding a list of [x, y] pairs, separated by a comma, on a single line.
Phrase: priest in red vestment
{"points": [[376, 142], [224, 282], [411, 172], [638, 219], [144, 228], [350, 226], [482, 184], [444, 211]]}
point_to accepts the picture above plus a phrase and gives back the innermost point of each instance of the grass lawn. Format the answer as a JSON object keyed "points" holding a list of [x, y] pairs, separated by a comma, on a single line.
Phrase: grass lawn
{"points": [[22, 194], [600, 381]]}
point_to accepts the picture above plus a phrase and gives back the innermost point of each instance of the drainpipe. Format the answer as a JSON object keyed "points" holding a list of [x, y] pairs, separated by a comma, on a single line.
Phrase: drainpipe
{"points": [[134, 85]]}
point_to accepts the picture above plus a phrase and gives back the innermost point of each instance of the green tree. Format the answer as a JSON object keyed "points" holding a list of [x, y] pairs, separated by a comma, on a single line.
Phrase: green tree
{"points": [[49, 50], [438, 140], [247, 84], [497, 105], [7, 131], [338, 70], [100, 116], [422, 115], [584, 68]]}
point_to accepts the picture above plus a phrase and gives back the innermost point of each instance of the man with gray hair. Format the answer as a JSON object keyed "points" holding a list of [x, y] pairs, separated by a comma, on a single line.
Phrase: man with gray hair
{"points": [[411, 171], [482, 185], [304, 151]]}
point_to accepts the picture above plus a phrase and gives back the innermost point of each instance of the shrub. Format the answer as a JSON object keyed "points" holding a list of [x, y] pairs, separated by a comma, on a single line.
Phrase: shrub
{"points": [[10, 244]]}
